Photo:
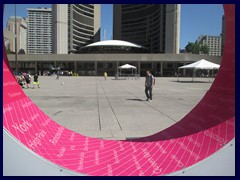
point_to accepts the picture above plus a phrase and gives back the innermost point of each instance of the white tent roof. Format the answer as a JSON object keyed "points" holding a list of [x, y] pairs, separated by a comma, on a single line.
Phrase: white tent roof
{"points": [[114, 43], [201, 64], [127, 66]]}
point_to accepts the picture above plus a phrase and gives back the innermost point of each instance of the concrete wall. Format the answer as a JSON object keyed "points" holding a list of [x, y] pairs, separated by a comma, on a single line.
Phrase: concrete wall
{"points": [[172, 28], [60, 29], [185, 57], [97, 22]]}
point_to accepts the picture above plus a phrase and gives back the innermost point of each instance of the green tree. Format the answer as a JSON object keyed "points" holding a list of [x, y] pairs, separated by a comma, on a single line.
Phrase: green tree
{"points": [[189, 47], [10, 52], [204, 49], [196, 48]]}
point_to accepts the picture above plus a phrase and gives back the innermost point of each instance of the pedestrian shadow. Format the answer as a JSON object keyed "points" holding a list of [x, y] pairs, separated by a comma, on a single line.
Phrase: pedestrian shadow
{"points": [[134, 100], [192, 81]]}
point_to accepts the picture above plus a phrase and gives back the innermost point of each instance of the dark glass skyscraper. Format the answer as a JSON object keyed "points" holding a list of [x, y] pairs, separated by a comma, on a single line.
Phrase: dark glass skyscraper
{"points": [[155, 26]]}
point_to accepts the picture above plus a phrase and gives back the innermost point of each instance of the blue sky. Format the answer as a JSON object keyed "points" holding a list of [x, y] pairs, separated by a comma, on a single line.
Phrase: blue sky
{"points": [[196, 19]]}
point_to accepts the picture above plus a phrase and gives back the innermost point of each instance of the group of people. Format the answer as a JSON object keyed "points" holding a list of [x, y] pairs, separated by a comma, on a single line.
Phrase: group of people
{"points": [[61, 73], [24, 80]]}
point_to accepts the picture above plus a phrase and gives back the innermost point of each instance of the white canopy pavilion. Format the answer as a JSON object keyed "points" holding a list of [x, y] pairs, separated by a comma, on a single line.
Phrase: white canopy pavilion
{"points": [[201, 64], [127, 66]]}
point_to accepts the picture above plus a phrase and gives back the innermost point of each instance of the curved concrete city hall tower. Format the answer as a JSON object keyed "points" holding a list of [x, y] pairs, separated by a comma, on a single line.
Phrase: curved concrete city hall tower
{"points": [[75, 26], [155, 26]]}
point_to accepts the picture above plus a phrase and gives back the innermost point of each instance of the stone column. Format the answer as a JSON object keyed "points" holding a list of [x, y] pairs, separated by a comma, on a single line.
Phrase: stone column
{"points": [[36, 68], [95, 68], [116, 68], [161, 69], [139, 67], [75, 66], [184, 70]]}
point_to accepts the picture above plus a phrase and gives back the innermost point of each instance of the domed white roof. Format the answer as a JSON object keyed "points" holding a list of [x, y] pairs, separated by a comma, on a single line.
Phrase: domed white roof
{"points": [[114, 43]]}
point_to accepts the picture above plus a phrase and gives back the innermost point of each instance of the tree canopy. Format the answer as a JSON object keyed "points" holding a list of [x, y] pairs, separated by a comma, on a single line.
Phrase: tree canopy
{"points": [[9, 51], [196, 48]]}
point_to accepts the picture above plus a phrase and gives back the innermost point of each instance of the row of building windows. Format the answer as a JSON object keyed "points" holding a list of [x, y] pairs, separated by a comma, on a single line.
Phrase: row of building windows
{"points": [[32, 18], [39, 19], [40, 23], [133, 7], [38, 42], [75, 8], [82, 7], [46, 39], [81, 30], [76, 33], [39, 34], [150, 28], [88, 5], [39, 14], [87, 27], [35, 30], [77, 38], [37, 23], [139, 8], [39, 51], [40, 48], [214, 42]]}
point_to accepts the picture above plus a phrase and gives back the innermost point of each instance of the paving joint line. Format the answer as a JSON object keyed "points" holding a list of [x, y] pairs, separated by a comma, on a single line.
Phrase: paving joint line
{"points": [[99, 117], [111, 107]]}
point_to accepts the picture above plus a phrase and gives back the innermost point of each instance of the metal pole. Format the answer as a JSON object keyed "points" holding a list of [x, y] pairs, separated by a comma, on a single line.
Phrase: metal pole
{"points": [[193, 74], [177, 74], [16, 62], [212, 74], [209, 75]]}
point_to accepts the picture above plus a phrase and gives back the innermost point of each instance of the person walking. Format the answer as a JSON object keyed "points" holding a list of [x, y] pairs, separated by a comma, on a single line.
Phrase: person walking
{"points": [[105, 75], [58, 74], [28, 79], [35, 81], [149, 82]]}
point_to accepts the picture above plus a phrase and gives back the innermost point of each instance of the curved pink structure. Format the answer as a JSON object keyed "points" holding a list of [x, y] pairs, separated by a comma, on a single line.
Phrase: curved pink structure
{"points": [[202, 132]]}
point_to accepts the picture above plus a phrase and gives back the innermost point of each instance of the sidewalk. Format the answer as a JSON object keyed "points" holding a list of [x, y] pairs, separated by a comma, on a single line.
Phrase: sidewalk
{"points": [[116, 109]]}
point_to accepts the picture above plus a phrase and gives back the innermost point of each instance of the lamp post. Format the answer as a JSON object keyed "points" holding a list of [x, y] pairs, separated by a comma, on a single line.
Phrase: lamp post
{"points": [[16, 62]]}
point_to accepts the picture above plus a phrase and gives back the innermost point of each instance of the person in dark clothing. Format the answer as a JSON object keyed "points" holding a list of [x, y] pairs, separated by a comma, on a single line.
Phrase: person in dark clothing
{"points": [[58, 74], [149, 82], [35, 81], [28, 79]]}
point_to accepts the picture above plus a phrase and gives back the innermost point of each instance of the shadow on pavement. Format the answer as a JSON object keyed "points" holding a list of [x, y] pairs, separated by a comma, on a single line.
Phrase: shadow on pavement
{"points": [[135, 100], [192, 81]]}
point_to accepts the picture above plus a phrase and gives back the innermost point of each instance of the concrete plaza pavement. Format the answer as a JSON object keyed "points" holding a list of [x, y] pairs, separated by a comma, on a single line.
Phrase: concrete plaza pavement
{"points": [[116, 109]]}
